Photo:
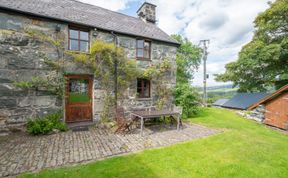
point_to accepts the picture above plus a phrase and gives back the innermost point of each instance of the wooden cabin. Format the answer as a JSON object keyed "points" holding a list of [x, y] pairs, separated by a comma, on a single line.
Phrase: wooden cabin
{"points": [[276, 108]]}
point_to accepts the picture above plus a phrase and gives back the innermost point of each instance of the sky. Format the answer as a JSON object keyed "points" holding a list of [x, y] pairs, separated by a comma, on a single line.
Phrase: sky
{"points": [[228, 24]]}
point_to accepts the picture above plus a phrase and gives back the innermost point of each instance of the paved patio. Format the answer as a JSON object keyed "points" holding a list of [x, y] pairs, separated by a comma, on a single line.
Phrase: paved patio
{"points": [[23, 153]]}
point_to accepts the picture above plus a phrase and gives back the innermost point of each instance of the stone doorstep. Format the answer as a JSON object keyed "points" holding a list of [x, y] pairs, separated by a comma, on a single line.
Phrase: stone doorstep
{"points": [[80, 129], [80, 126]]}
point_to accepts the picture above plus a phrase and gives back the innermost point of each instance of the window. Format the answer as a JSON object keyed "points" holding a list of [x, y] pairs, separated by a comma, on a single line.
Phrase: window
{"points": [[78, 90], [143, 50], [78, 40], [143, 88]]}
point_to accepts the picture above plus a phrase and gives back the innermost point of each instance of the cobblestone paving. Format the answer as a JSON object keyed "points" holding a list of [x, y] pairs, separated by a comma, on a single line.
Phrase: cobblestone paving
{"points": [[24, 153]]}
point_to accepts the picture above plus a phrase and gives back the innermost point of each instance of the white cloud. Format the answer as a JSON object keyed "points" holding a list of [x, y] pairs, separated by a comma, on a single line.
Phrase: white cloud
{"points": [[227, 23]]}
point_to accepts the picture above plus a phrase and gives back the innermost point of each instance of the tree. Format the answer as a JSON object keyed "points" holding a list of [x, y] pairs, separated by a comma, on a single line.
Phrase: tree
{"points": [[263, 62], [188, 60], [188, 98]]}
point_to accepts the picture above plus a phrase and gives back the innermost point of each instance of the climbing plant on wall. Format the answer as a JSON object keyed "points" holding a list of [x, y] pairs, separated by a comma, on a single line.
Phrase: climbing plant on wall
{"points": [[101, 61], [158, 73]]}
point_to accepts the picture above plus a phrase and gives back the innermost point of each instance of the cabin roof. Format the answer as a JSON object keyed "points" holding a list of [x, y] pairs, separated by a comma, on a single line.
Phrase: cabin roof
{"points": [[243, 101]]}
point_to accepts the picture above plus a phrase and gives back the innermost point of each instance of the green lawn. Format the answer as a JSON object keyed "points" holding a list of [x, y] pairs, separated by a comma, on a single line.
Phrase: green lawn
{"points": [[245, 149]]}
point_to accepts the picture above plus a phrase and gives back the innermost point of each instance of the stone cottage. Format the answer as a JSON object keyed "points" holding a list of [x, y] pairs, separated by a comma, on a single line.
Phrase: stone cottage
{"points": [[78, 24]]}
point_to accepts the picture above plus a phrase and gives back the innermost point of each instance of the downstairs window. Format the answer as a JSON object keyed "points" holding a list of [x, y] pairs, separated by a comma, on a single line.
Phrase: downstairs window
{"points": [[143, 88]]}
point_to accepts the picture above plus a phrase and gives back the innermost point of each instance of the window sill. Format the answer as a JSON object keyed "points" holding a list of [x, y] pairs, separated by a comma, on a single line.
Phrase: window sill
{"points": [[79, 52], [141, 59], [143, 99]]}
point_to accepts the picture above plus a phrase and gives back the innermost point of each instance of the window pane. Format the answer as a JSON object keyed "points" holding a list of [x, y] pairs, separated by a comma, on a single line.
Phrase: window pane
{"points": [[144, 83], [140, 43], [74, 45], [84, 46], [139, 92], [74, 34], [139, 83], [146, 92], [78, 86], [139, 88], [146, 54], [139, 52], [146, 88], [84, 36], [146, 45]]}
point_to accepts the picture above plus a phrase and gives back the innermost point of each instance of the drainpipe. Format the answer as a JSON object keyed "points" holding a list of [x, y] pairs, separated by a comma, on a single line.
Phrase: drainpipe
{"points": [[116, 41]]}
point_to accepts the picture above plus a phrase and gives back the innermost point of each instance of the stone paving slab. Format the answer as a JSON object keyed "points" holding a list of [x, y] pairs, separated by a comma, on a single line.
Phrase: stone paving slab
{"points": [[24, 153]]}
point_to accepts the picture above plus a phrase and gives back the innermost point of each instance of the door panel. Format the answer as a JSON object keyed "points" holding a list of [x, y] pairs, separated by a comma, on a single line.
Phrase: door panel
{"points": [[78, 98]]}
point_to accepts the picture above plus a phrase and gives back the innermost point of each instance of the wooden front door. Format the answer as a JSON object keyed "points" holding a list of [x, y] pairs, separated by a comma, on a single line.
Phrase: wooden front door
{"points": [[78, 98]]}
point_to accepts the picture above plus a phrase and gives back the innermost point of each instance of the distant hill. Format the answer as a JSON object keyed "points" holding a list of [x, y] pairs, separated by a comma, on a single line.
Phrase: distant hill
{"points": [[229, 86], [219, 92]]}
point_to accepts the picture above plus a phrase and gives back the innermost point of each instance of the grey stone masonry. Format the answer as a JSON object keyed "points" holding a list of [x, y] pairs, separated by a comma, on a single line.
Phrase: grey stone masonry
{"points": [[21, 59], [257, 114], [147, 12], [19, 154]]}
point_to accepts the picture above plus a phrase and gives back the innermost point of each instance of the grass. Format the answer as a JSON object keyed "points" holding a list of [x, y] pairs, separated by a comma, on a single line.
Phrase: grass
{"points": [[245, 149]]}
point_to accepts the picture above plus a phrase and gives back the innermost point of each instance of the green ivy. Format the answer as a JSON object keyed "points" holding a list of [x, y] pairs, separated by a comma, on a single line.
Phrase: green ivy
{"points": [[101, 60]]}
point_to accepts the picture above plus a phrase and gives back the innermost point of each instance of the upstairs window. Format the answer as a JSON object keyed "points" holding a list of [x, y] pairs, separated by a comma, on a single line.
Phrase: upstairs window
{"points": [[78, 40], [143, 49], [143, 88]]}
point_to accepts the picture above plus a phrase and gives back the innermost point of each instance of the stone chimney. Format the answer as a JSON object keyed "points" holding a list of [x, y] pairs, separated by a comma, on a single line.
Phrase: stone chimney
{"points": [[147, 12]]}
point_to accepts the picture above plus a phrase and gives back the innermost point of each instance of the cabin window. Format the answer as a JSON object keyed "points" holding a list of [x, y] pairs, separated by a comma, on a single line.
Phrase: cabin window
{"points": [[143, 49], [78, 40], [143, 88]]}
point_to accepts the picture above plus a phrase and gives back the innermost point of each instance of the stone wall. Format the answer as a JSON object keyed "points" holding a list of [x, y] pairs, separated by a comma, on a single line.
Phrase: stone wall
{"points": [[257, 114], [21, 58]]}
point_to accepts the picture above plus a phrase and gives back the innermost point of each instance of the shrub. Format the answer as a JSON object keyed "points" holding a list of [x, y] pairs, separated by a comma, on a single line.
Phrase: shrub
{"points": [[188, 98], [44, 125]]}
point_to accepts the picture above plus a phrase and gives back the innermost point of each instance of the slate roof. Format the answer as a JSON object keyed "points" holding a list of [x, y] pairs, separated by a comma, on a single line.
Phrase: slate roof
{"points": [[244, 100], [220, 102], [85, 14]]}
